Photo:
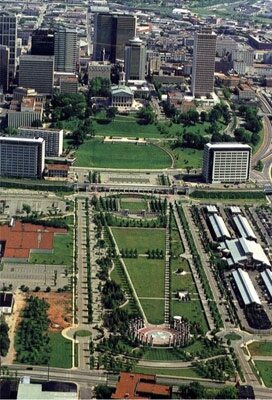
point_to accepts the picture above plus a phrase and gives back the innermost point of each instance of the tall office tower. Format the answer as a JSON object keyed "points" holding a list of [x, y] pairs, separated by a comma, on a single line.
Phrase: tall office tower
{"points": [[226, 162], [203, 62], [53, 138], [135, 59], [21, 157], [66, 49], [8, 37], [42, 42], [37, 72], [4, 68], [111, 33]]}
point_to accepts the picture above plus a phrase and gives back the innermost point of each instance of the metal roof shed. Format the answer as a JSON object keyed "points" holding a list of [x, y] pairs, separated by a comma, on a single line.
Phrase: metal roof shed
{"points": [[245, 287], [267, 278]]}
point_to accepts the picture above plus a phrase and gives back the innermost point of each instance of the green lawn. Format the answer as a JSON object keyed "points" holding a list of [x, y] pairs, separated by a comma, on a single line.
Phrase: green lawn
{"points": [[191, 310], [186, 158], [176, 243], [232, 336], [134, 205], [93, 153], [147, 276], [61, 355], [62, 254], [154, 310], [126, 126], [260, 348], [140, 238], [265, 368]]}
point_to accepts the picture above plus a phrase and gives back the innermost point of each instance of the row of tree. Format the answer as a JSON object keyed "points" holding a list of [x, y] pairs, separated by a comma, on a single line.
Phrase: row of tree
{"points": [[4, 337], [32, 340]]}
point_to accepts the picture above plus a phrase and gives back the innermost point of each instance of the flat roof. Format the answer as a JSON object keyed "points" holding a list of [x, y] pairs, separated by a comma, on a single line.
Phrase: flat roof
{"points": [[235, 210], [245, 287], [229, 145], [6, 299], [21, 139], [212, 209]]}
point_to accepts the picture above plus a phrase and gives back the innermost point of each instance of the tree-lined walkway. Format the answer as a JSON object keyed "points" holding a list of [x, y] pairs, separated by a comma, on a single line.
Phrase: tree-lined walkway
{"points": [[167, 272], [188, 256]]}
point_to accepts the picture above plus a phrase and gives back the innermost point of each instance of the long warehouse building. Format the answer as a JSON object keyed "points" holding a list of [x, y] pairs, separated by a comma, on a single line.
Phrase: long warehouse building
{"points": [[219, 227], [244, 227], [267, 278], [245, 287]]}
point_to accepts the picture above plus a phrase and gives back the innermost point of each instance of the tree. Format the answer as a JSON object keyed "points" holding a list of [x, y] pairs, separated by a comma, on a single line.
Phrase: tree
{"points": [[146, 115], [9, 130], [192, 391], [26, 208], [111, 112], [103, 391], [228, 392], [4, 338], [259, 166], [37, 123]]}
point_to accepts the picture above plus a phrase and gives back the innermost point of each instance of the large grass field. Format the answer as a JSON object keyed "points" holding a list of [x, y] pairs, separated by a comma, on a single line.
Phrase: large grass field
{"points": [[154, 310], [62, 254], [126, 126], [260, 349], [192, 310], [147, 276], [185, 157], [140, 238], [61, 355], [138, 205], [265, 368], [93, 153]]}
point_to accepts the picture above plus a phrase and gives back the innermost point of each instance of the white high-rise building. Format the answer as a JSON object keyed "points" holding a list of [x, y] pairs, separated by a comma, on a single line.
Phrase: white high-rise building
{"points": [[226, 162], [22, 157]]}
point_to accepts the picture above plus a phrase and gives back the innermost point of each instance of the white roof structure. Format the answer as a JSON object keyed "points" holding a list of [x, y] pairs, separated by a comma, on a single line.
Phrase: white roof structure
{"points": [[245, 287], [219, 227], [212, 209], [267, 278], [235, 210], [244, 228], [245, 251]]}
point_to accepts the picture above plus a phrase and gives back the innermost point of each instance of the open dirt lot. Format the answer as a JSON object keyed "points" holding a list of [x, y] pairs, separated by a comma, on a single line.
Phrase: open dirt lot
{"points": [[59, 314], [60, 311]]}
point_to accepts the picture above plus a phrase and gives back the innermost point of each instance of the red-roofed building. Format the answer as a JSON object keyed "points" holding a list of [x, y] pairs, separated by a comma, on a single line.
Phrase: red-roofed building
{"points": [[18, 240], [140, 386]]}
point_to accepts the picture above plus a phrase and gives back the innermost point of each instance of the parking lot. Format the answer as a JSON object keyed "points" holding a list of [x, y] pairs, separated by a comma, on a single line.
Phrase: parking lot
{"points": [[38, 201], [33, 275]]}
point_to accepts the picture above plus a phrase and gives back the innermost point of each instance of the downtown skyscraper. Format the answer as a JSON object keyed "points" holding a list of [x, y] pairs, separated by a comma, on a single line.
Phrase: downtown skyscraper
{"points": [[203, 62], [111, 33], [8, 37]]}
